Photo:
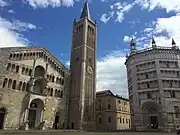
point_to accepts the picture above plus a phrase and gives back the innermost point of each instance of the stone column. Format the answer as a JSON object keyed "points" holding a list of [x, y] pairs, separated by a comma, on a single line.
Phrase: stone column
{"points": [[26, 115]]}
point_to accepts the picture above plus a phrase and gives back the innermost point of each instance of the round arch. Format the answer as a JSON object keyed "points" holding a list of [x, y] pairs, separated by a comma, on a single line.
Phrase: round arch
{"points": [[151, 115], [171, 105], [35, 115], [150, 105], [39, 71]]}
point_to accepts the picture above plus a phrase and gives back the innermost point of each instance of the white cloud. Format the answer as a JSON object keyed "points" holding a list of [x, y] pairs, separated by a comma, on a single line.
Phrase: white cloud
{"points": [[111, 73], [3, 3], [173, 5], [163, 30], [52, 3], [121, 8], [11, 11], [127, 39], [11, 32], [104, 0], [105, 18]]}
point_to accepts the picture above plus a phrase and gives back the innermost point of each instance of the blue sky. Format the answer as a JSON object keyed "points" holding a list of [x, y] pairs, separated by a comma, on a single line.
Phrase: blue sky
{"points": [[49, 23]]}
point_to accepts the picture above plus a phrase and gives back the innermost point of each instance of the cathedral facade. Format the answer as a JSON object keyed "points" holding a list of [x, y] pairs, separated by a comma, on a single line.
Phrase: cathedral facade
{"points": [[34, 89], [38, 92]]}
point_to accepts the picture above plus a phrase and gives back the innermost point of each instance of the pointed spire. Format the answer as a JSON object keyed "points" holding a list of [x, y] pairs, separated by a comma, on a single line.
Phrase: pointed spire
{"points": [[85, 12], [132, 42], [153, 41], [173, 42]]}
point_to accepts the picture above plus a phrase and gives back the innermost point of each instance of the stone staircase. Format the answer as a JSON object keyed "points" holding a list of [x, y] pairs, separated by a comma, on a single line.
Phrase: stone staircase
{"points": [[38, 132]]}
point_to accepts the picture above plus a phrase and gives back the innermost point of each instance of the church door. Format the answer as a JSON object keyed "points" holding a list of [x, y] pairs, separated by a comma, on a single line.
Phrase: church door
{"points": [[32, 118], [2, 115]]}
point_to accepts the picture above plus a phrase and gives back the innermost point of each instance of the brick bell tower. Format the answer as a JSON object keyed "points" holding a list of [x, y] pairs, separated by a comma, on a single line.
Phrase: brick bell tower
{"points": [[83, 73]]}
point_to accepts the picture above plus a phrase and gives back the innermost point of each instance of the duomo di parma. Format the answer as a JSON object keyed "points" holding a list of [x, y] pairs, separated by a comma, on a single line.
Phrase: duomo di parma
{"points": [[38, 92]]}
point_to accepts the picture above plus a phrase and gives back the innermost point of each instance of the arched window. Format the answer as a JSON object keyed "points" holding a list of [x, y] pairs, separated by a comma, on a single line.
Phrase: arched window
{"points": [[39, 71], [20, 56], [17, 69], [57, 79], [53, 79], [24, 54], [31, 54], [23, 70], [5, 82], [8, 66], [27, 87], [27, 70], [56, 93], [9, 83], [10, 56], [62, 81], [51, 92], [34, 53], [30, 72], [61, 95], [14, 84], [37, 54], [14, 55], [63, 74], [20, 86], [24, 86], [13, 67], [27, 54]]}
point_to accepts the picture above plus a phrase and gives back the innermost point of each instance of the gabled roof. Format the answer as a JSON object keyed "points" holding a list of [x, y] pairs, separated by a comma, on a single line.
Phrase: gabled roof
{"points": [[108, 92]]}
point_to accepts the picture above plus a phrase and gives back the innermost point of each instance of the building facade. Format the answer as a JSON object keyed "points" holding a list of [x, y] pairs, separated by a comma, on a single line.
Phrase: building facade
{"points": [[154, 87], [112, 112], [39, 92], [83, 73], [33, 89]]}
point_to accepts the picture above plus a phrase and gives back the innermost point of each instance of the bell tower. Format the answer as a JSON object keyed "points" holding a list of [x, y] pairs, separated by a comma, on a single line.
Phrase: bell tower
{"points": [[83, 73]]}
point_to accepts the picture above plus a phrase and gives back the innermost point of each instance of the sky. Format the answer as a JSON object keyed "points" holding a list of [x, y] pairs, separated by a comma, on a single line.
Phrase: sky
{"points": [[48, 23]]}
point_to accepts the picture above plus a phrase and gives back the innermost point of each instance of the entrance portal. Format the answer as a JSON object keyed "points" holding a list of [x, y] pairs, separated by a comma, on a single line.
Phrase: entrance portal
{"points": [[32, 118], [2, 115], [154, 122], [56, 123], [35, 112]]}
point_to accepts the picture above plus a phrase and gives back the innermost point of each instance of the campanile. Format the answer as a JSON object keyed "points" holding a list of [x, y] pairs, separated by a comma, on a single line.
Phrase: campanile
{"points": [[83, 73]]}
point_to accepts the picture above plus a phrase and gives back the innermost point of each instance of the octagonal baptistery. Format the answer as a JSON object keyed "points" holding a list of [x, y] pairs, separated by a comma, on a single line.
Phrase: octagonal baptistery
{"points": [[33, 89], [153, 76]]}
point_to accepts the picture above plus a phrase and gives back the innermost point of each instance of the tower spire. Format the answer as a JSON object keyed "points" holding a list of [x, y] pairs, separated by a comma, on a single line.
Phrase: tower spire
{"points": [[85, 12], [173, 42], [153, 41]]}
